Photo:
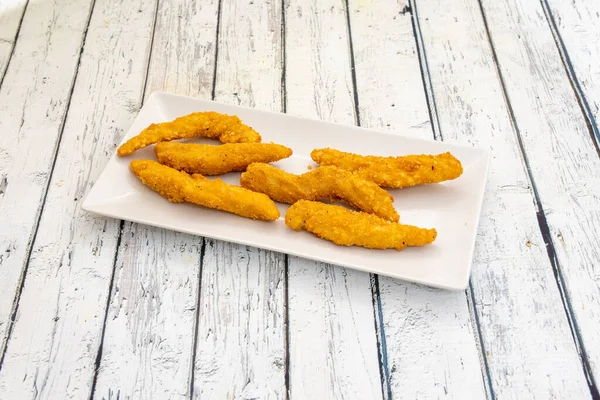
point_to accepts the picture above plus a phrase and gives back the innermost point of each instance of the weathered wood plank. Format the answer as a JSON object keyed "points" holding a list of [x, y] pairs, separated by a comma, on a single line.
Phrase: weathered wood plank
{"points": [[576, 29], [183, 50], [148, 339], [388, 75], [523, 324], [421, 326], [333, 347], [53, 347], [241, 337], [241, 328], [44, 63], [560, 153], [11, 15], [149, 336]]}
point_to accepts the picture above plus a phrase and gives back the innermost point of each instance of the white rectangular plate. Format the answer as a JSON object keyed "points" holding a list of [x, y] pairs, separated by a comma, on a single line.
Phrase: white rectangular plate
{"points": [[453, 208]]}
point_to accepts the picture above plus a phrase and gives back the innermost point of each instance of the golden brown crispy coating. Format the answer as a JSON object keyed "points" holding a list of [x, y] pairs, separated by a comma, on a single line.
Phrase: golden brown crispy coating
{"points": [[324, 182], [209, 124], [394, 172], [215, 160], [178, 187], [351, 228]]}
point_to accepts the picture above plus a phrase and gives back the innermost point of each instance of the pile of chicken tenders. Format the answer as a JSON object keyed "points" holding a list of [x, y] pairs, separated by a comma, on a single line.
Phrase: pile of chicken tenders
{"points": [[181, 170]]}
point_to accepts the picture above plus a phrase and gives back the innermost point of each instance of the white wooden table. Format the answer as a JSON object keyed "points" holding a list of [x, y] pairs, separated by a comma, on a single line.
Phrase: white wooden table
{"points": [[103, 309]]}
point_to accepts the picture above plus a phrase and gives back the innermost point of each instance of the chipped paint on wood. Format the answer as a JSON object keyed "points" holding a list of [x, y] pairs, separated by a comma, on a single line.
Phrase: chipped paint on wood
{"points": [[31, 127], [420, 325], [148, 341], [560, 154], [333, 346], [57, 333], [577, 35], [522, 321], [241, 338], [11, 15], [149, 335]]}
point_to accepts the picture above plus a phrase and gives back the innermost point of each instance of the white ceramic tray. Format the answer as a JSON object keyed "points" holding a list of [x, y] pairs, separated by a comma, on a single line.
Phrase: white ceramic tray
{"points": [[453, 208]]}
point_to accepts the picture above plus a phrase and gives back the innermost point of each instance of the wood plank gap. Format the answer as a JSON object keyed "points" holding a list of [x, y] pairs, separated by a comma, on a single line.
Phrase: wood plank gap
{"points": [[197, 320], [157, 4], [108, 298], [38, 217], [587, 370], [214, 83], [437, 134], [286, 292], [286, 319], [352, 65], [384, 368], [14, 44], [283, 93], [543, 224], [566, 59], [425, 74], [487, 379]]}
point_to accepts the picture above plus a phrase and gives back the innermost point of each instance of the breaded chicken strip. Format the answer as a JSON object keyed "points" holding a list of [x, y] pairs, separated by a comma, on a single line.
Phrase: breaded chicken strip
{"points": [[209, 124], [393, 172], [350, 228], [215, 160], [324, 182], [178, 187]]}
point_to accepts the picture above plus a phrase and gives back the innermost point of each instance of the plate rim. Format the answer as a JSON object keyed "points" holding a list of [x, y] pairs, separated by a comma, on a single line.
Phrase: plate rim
{"points": [[154, 98]]}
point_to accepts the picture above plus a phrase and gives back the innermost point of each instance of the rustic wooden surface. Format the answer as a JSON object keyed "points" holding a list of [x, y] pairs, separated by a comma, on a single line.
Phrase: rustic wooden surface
{"points": [[332, 340], [415, 326], [97, 308], [11, 14], [513, 287], [241, 339]]}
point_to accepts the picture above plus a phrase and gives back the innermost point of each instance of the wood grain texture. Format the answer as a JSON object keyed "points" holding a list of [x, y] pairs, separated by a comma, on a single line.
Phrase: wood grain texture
{"points": [[420, 325], [388, 76], [576, 30], [148, 341], [240, 351], [44, 64], [332, 337], [149, 336], [183, 51], [241, 327], [523, 324], [430, 340], [11, 15], [560, 153], [53, 347]]}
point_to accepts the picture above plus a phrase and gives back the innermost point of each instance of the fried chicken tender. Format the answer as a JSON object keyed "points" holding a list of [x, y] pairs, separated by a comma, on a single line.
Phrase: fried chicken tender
{"points": [[351, 228], [179, 187], [215, 160], [209, 124], [324, 182], [394, 172]]}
